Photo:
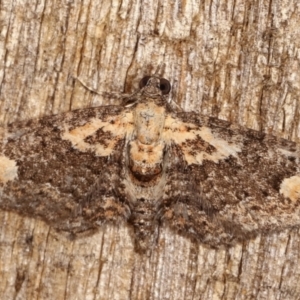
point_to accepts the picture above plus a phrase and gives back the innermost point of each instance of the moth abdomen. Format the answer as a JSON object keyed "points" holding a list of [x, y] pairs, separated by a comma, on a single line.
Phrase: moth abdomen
{"points": [[145, 223]]}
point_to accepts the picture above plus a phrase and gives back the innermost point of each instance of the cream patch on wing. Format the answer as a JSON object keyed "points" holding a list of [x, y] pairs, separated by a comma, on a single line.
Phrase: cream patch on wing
{"points": [[185, 133], [116, 126], [8, 169], [290, 188]]}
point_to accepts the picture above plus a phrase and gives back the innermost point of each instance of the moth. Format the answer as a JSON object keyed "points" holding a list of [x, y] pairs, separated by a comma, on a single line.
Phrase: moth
{"points": [[147, 164]]}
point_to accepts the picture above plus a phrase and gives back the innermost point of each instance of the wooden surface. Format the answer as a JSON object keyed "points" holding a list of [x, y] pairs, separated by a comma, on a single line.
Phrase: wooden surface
{"points": [[236, 60]]}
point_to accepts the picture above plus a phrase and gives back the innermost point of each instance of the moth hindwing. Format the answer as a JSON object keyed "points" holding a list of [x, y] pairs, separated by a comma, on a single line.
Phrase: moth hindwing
{"points": [[146, 164]]}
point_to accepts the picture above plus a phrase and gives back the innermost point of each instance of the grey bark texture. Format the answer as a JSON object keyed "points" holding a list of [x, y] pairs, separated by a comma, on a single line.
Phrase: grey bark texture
{"points": [[236, 60]]}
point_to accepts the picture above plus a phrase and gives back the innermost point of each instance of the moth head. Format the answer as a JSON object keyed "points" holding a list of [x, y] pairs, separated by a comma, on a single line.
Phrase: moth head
{"points": [[155, 86]]}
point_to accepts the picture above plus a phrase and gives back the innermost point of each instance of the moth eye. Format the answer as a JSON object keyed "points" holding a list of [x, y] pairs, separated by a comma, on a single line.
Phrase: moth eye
{"points": [[165, 86], [144, 81]]}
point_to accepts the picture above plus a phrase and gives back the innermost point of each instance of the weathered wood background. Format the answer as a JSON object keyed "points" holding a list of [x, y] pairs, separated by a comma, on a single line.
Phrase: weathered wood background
{"points": [[237, 60]]}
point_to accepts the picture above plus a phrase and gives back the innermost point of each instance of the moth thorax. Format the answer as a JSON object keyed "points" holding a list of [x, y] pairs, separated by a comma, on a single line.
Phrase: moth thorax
{"points": [[145, 161], [149, 121]]}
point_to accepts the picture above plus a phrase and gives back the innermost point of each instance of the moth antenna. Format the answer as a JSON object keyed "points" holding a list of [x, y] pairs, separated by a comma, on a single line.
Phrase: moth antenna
{"points": [[87, 87], [105, 94]]}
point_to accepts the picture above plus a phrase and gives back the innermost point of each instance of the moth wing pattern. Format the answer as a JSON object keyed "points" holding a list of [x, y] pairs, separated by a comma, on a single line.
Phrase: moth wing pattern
{"points": [[146, 164], [228, 183], [50, 166]]}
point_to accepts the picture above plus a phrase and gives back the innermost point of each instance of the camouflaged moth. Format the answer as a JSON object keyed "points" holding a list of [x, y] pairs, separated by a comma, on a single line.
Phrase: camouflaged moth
{"points": [[146, 164]]}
